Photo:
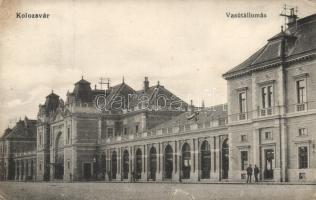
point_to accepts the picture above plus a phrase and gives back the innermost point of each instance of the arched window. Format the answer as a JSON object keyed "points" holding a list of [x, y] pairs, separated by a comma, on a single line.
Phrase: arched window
{"points": [[114, 165], [186, 161], [168, 162], [152, 163], [138, 170], [225, 159], [125, 164], [205, 160]]}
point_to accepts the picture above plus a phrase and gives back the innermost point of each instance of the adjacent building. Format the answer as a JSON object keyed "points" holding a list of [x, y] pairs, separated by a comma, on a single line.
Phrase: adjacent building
{"points": [[18, 151]]}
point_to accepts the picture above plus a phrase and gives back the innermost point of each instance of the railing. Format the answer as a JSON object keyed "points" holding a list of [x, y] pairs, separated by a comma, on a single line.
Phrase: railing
{"points": [[301, 107], [265, 112], [172, 130], [242, 116]]}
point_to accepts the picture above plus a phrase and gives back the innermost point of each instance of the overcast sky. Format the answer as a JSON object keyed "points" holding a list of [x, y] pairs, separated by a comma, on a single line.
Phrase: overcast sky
{"points": [[186, 45]]}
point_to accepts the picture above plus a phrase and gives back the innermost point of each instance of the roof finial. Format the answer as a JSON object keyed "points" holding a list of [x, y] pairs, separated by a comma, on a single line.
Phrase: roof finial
{"points": [[95, 86], [158, 83], [123, 80], [52, 91], [282, 29], [81, 77]]}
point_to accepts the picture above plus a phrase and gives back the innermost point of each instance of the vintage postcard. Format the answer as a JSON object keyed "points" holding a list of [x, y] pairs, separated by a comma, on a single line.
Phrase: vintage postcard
{"points": [[157, 99]]}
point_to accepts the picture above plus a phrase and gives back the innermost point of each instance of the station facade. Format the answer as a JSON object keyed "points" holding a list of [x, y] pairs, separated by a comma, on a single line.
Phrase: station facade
{"points": [[122, 134]]}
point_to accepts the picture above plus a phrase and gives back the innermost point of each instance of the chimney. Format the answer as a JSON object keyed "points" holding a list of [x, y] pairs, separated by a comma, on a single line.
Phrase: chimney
{"points": [[146, 84], [192, 108]]}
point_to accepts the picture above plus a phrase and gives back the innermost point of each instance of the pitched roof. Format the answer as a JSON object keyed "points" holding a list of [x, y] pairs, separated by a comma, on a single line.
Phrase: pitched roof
{"points": [[153, 93], [25, 129], [299, 38]]}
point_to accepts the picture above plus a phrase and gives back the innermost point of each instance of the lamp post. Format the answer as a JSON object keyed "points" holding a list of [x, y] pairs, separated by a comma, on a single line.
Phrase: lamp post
{"points": [[95, 167]]}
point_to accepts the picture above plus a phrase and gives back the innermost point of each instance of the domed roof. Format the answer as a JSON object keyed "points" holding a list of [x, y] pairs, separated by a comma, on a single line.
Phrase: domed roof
{"points": [[51, 103], [82, 91]]}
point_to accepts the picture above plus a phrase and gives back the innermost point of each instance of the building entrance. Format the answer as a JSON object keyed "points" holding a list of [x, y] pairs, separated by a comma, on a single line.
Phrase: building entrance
{"points": [[268, 163]]}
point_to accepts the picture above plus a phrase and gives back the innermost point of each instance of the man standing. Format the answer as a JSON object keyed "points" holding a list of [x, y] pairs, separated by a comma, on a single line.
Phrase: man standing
{"points": [[249, 174], [256, 172]]}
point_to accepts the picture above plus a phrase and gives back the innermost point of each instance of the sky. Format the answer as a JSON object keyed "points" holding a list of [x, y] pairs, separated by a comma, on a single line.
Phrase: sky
{"points": [[186, 45]]}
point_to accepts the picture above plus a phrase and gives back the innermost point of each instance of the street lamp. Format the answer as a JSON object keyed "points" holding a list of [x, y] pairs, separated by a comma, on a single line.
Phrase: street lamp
{"points": [[95, 167]]}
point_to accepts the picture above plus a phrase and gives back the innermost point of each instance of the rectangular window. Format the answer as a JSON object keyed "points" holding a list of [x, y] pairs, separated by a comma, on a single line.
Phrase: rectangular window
{"points": [[170, 130], [270, 96], [207, 124], [68, 164], [302, 132], [118, 128], [187, 127], [243, 138], [264, 96], [268, 135], [267, 96], [242, 102], [125, 131], [40, 139], [181, 128], [302, 157], [136, 128], [68, 136], [302, 175], [301, 91], [244, 160], [110, 132]]}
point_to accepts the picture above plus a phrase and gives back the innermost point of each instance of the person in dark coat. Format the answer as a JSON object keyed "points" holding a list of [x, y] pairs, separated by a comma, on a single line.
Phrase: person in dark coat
{"points": [[249, 174], [256, 172]]}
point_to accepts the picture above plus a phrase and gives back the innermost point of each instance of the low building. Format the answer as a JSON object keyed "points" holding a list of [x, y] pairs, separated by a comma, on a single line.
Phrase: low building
{"points": [[18, 152]]}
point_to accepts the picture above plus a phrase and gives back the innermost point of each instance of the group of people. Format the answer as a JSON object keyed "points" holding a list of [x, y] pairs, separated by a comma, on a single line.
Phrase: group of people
{"points": [[251, 170]]}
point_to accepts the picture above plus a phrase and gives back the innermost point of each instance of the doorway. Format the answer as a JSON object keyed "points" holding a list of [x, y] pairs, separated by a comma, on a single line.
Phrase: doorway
{"points": [[87, 171], [268, 163]]}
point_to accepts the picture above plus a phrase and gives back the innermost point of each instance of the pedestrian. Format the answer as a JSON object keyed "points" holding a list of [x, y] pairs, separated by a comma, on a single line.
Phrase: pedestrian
{"points": [[256, 172], [249, 173]]}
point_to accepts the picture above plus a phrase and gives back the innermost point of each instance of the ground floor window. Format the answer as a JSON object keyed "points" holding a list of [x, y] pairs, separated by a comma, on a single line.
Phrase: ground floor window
{"points": [[302, 157], [225, 159], [186, 161], [205, 160], [114, 165]]}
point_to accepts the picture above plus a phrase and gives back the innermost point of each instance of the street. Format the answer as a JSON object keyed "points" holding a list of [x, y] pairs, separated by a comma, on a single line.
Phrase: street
{"points": [[152, 191]]}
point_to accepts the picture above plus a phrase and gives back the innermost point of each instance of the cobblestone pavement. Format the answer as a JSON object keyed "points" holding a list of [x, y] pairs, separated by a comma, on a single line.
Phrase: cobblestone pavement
{"points": [[153, 191]]}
